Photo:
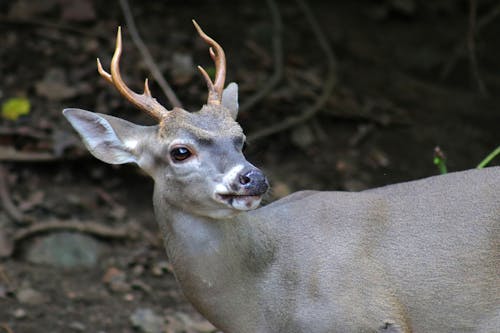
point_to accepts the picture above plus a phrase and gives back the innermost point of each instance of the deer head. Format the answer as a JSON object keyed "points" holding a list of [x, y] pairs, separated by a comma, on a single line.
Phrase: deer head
{"points": [[195, 158]]}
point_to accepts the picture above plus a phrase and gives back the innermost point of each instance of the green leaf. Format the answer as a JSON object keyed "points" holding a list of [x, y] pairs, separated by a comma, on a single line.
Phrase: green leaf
{"points": [[440, 160], [13, 108]]}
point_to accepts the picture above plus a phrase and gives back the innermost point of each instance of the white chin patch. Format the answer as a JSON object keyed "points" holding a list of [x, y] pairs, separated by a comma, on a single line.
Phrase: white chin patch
{"points": [[245, 202], [239, 202]]}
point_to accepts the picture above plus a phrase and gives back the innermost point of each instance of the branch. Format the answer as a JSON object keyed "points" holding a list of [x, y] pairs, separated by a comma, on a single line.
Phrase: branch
{"points": [[471, 47], [278, 59], [52, 25], [327, 88], [461, 46], [10, 154], [127, 231], [146, 55]]}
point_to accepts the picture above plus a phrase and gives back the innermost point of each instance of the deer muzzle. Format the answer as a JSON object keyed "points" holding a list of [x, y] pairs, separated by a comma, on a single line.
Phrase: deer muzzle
{"points": [[242, 188]]}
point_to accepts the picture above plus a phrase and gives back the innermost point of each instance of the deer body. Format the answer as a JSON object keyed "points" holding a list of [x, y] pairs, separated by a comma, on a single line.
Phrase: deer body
{"points": [[407, 259], [416, 257]]}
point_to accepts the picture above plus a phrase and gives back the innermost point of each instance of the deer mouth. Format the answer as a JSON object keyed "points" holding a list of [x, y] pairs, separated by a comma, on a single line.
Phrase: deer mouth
{"points": [[239, 201]]}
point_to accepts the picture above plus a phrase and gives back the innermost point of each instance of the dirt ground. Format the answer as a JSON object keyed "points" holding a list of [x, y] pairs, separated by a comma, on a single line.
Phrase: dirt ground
{"points": [[404, 84]]}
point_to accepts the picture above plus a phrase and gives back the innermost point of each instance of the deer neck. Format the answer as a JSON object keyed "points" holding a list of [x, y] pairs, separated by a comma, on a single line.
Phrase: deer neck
{"points": [[194, 240], [212, 259], [190, 237]]}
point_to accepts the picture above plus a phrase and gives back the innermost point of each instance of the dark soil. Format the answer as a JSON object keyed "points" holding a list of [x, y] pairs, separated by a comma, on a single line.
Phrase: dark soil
{"points": [[390, 108]]}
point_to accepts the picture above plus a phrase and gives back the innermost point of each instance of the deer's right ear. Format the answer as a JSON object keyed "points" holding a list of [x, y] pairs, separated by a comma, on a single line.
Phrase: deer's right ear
{"points": [[110, 139], [230, 99]]}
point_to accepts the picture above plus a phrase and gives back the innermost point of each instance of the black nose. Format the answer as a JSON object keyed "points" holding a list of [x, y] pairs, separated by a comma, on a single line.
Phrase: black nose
{"points": [[254, 182]]}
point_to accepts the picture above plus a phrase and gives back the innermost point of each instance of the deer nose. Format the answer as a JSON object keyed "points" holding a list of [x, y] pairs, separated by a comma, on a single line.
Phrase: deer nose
{"points": [[254, 181]]}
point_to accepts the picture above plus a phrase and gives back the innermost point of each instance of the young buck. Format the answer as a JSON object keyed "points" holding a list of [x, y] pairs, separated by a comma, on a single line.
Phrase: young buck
{"points": [[421, 256]]}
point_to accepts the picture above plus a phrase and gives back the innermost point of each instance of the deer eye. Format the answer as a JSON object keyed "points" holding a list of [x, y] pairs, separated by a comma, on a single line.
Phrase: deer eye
{"points": [[180, 154]]}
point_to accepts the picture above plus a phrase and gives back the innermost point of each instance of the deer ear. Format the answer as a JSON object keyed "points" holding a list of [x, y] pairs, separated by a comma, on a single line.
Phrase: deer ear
{"points": [[110, 139], [230, 99]]}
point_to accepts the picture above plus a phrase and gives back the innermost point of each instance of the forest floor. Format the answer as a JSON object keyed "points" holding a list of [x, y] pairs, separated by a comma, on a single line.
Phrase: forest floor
{"points": [[405, 81]]}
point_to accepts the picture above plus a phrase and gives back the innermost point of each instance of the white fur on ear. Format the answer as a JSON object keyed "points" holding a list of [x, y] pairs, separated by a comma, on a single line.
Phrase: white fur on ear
{"points": [[230, 99], [100, 138]]}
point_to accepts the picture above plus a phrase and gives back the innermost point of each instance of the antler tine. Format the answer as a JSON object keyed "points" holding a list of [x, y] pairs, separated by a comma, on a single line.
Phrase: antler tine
{"points": [[145, 101], [216, 87]]}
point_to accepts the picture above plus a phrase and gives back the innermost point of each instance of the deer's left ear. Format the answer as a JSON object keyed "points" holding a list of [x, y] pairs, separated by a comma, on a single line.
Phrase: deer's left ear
{"points": [[230, 99]]}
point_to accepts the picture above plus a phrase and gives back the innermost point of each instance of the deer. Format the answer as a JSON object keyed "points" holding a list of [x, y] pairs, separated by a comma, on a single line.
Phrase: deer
{"points": [[421, 256]]}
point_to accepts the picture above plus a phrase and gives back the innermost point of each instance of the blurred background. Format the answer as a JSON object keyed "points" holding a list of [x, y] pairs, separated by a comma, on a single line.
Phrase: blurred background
{"points": [[337, 95]]}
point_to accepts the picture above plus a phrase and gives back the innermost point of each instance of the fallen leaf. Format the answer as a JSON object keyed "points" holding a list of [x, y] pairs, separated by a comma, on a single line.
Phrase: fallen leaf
{"points": [[16, 107]]}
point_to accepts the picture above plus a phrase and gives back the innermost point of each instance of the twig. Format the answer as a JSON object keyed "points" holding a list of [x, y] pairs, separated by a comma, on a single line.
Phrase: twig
{"points": [[278, 59], [363, 131], [12, 155], [51, 25], [4, 277], [96, 229], [146, 55], [462, 45], [327, 88], [6, 201], [471, 47]]}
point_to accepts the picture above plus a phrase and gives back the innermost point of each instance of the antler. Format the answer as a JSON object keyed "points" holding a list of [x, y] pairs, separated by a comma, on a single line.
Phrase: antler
{"points": [[143, 101], [214, 88]]}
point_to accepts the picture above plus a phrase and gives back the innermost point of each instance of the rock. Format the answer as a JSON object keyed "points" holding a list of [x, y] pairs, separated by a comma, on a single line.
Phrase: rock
{"points": [[19, 313], [77, 326], [64, 250], [147, 321], [116, 280], [31, 296], [180, 322]]}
